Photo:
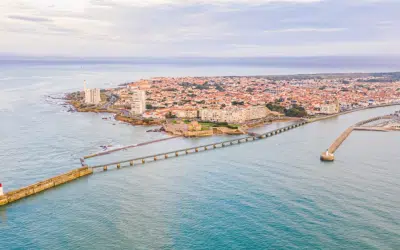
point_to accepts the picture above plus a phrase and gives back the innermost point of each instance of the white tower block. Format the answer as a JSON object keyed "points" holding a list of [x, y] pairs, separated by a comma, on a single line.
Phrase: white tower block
{"points": [[1, 189]]}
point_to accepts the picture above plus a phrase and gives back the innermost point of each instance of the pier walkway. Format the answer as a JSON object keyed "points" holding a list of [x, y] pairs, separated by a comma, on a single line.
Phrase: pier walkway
{"points": [[126, 147], [186, 151]]}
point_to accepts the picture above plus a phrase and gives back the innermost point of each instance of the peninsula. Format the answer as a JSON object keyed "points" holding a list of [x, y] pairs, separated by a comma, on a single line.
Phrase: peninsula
{"points": [[204, 106]]}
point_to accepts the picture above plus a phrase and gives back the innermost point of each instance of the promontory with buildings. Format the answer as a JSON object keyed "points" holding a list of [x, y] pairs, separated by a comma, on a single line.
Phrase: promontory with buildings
{"points": [[203, 106]]}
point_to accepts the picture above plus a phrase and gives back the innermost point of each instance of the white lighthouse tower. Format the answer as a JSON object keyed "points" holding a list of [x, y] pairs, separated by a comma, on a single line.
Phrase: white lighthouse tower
{"points": [[1, 189]]}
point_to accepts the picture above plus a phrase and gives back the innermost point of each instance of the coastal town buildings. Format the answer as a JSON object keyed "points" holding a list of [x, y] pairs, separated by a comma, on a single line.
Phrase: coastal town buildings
{"points": [[138, 105], [238, 99]]}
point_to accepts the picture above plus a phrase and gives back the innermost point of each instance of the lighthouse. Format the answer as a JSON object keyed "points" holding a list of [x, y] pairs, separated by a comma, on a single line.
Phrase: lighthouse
{"points": [[1, 189]]}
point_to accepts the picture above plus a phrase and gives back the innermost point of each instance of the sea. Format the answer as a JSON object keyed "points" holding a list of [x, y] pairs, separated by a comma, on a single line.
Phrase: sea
{"points": [[268, 194]]}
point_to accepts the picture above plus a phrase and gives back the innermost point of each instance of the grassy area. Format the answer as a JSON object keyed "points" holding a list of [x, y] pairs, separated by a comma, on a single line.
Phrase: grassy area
{"points": [[208, 125]]}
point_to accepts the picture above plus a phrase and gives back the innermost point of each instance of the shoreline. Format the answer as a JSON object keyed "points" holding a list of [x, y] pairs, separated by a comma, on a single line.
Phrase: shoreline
{"points": [[351, 111], [76, 106]]}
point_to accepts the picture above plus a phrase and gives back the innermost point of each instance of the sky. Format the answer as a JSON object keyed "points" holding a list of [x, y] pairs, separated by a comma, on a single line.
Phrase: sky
{"points": [[199, 28]]}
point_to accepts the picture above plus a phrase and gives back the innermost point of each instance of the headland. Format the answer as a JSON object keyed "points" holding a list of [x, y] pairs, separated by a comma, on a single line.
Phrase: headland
{"points": [[205, 106]]}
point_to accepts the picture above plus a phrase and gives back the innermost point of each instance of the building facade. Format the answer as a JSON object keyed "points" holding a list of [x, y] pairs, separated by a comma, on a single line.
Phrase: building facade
{"points": [[234, 115], [138, 105], [92, 96], [186, 113], [330, 108]]}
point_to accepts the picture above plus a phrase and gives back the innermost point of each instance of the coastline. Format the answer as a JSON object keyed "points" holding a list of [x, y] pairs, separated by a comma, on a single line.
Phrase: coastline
{"points": [[351, 111], [77, 106]]}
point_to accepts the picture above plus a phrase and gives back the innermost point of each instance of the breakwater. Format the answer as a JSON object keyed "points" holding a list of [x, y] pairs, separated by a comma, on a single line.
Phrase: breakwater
{"points": [[21, 193], [336, 144], [329, 154]]}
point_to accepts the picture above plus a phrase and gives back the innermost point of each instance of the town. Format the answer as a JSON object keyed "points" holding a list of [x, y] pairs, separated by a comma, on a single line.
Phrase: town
{"points": [[201, 106]]}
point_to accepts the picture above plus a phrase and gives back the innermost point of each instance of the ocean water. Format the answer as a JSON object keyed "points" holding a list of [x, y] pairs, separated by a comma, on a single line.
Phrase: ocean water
{"points": [[270, 194]]}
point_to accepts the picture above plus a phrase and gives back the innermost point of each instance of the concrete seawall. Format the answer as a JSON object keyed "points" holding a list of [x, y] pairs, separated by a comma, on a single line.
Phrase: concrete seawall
{"points": [[44, 185], [336, 144], [329, 155]]}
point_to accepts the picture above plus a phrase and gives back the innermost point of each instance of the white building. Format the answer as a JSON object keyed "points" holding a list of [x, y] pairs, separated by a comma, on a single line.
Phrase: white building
{"points": [[257, 112], [92, 96], [186, 113], [330, 108], [234, 115], [138, 105]]}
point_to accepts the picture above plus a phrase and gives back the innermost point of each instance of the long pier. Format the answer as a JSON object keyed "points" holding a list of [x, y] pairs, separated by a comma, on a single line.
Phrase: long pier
{"points": [[197, 149]]}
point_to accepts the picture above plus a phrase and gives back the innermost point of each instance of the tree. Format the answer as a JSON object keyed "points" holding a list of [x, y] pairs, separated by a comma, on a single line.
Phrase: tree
{"points": [[249, 90], [275, 107], [296, 111], [170, 115], [219, 88], [235, 103]]}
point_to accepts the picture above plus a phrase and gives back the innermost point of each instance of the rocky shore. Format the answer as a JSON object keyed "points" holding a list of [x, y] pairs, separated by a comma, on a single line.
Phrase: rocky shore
{"points": [[136, 121]]}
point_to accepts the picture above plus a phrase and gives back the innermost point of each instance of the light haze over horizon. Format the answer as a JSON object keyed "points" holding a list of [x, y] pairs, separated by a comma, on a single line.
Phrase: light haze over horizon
{"points": [[191, 28]]}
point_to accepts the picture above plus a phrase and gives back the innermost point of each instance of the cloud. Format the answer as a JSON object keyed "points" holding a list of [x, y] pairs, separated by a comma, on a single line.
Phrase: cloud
{"points": [[198, 27], [29, 18], [305, 30], [194, 2]]}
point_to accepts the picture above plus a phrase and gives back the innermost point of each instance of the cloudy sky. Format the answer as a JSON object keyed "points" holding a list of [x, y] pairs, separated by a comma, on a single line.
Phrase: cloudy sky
{"points": [[200, 27]]}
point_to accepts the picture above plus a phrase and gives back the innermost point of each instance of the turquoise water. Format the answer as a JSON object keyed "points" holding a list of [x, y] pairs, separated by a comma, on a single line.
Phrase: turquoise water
{"points": [[270, 194]]}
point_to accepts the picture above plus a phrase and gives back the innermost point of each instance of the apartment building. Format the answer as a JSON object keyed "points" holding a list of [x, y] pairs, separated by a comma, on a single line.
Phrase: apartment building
{"points": [[92, 96], [138, 105], [234, 115]]}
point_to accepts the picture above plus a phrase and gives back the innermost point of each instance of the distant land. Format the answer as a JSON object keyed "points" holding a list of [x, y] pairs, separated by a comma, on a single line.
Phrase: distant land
{"points": [[389, 63]]}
